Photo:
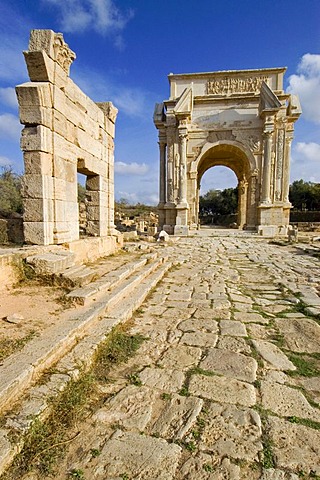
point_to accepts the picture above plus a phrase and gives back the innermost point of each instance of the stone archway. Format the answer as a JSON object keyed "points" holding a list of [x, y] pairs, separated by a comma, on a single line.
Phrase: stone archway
{"points": [[242, 163], [240, 119]]}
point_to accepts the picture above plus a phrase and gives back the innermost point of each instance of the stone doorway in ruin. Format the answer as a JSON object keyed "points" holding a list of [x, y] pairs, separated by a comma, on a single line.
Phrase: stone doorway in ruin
{"points": [[234, 158], [243, 120]]}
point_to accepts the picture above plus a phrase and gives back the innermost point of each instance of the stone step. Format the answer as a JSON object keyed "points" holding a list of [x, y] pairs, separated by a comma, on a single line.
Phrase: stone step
{"points": [[78, 276], [67, 346], [20, 369], [85, 295], [51, 262]]}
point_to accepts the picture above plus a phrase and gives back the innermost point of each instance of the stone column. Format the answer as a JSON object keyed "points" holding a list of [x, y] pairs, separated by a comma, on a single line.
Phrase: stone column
{"points": [[242, 208], [162, 179], [170, 148], [286, 166], [183, 169], [267, 166]]}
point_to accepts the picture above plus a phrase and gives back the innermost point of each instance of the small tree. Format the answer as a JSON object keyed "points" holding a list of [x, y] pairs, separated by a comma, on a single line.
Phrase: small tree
{"points": [[10, 192]]}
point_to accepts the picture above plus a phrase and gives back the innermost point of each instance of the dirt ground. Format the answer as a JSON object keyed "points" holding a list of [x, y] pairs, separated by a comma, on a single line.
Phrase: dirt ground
{"points": [[40, 306]]}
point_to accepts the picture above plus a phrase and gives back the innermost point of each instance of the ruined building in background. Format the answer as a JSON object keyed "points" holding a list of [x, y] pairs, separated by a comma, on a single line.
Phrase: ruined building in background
{"points": [[239, 119], [65, 133]]}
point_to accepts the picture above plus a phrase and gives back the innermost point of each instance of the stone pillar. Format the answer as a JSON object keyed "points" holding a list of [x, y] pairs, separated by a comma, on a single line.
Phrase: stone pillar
{"points": [[286, 166], [181, 227], [163, 176], [183, 169], [242, 202], [266, 174]]}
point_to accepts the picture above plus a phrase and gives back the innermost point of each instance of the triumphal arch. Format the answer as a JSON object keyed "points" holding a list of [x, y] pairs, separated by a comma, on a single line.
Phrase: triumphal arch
{"points": [[239, 119]]}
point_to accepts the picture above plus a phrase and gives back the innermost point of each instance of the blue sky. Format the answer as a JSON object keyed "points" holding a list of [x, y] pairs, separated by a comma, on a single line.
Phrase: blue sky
{"points": [[126, 48]]}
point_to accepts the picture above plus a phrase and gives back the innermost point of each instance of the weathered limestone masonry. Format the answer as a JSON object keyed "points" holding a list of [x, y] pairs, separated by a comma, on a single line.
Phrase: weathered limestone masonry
{"points": [[65, 132], [239, 119]]}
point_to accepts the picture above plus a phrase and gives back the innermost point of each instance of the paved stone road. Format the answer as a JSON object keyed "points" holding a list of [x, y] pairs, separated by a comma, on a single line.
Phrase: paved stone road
{"points": [[218, 398]]}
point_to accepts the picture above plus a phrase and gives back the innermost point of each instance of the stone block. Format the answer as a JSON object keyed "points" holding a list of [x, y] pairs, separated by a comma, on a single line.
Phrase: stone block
{"points": [[38, 210], [38, 233], [37, 186], [64, 190], [89, 144], [60, 123], [42, 40], [37, 139], [81, 100], [41, 67], [37, 94], [65, 170], [38, 163], [34, 115]]}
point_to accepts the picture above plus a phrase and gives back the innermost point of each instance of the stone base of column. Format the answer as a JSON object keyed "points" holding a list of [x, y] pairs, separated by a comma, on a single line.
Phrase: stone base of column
{"points": [[181, 230]]}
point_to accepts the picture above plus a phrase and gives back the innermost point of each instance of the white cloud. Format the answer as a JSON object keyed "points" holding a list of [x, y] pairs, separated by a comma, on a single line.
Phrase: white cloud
{"points": [[309, 151], [306, 162], [10, 127], [102, 16], [8, 96], [133, 198], [306, 84], [5, 161], [130, 168]]}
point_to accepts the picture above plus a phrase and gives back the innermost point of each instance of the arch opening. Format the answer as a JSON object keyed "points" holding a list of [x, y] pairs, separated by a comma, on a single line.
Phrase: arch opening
{"points": [[236, 160], [218, 197]]}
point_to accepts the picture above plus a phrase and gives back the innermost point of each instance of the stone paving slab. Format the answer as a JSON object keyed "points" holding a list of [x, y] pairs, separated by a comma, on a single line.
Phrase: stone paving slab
{"points": [[287, 402], [178, 417], [137, 456], [233, 328], [301, 335], [230, 364], [232, 432], [223, 389], [273, 355], [163, 379], [182, 357], [295, 447]]}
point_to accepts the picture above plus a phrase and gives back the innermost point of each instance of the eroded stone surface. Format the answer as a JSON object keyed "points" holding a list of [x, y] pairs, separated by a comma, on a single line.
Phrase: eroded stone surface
{"points": [[233, 328], [273, 355], [232, 432], [181, 357], [223, 389], [231, 364], [207, 467], [199, 339], [178, 417], [295, 446], [287, 402], [301, 335], [137, 456], [163, 379]]}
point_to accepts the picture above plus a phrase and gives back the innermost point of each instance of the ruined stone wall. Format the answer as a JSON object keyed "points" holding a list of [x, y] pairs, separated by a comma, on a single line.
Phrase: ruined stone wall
{"points": [[65, 133]]}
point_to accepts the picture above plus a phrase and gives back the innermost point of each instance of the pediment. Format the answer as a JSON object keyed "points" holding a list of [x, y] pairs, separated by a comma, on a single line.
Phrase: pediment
{"points": [[159, 115], [185, 103], [268, 99]]}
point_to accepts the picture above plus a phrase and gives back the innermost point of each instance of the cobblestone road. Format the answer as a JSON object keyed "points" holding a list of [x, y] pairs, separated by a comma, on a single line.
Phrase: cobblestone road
{"points": [[227, 382]]}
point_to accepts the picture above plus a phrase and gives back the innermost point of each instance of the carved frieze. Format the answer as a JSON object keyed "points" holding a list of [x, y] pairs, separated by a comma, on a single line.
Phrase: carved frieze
{"points": [[229, 85], [251, 138], [64, 56], [216, 136]]}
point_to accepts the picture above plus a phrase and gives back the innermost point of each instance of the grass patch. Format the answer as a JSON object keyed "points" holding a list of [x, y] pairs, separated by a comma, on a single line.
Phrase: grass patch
{"points": [[118, 348], [46, 441], [267, 459], [304, 421], [9, 346], [305, 368]]}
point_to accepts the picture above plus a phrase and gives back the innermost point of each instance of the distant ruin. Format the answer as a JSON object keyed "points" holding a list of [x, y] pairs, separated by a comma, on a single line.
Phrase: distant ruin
{"points": [[239, 119], [65, 133]]}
